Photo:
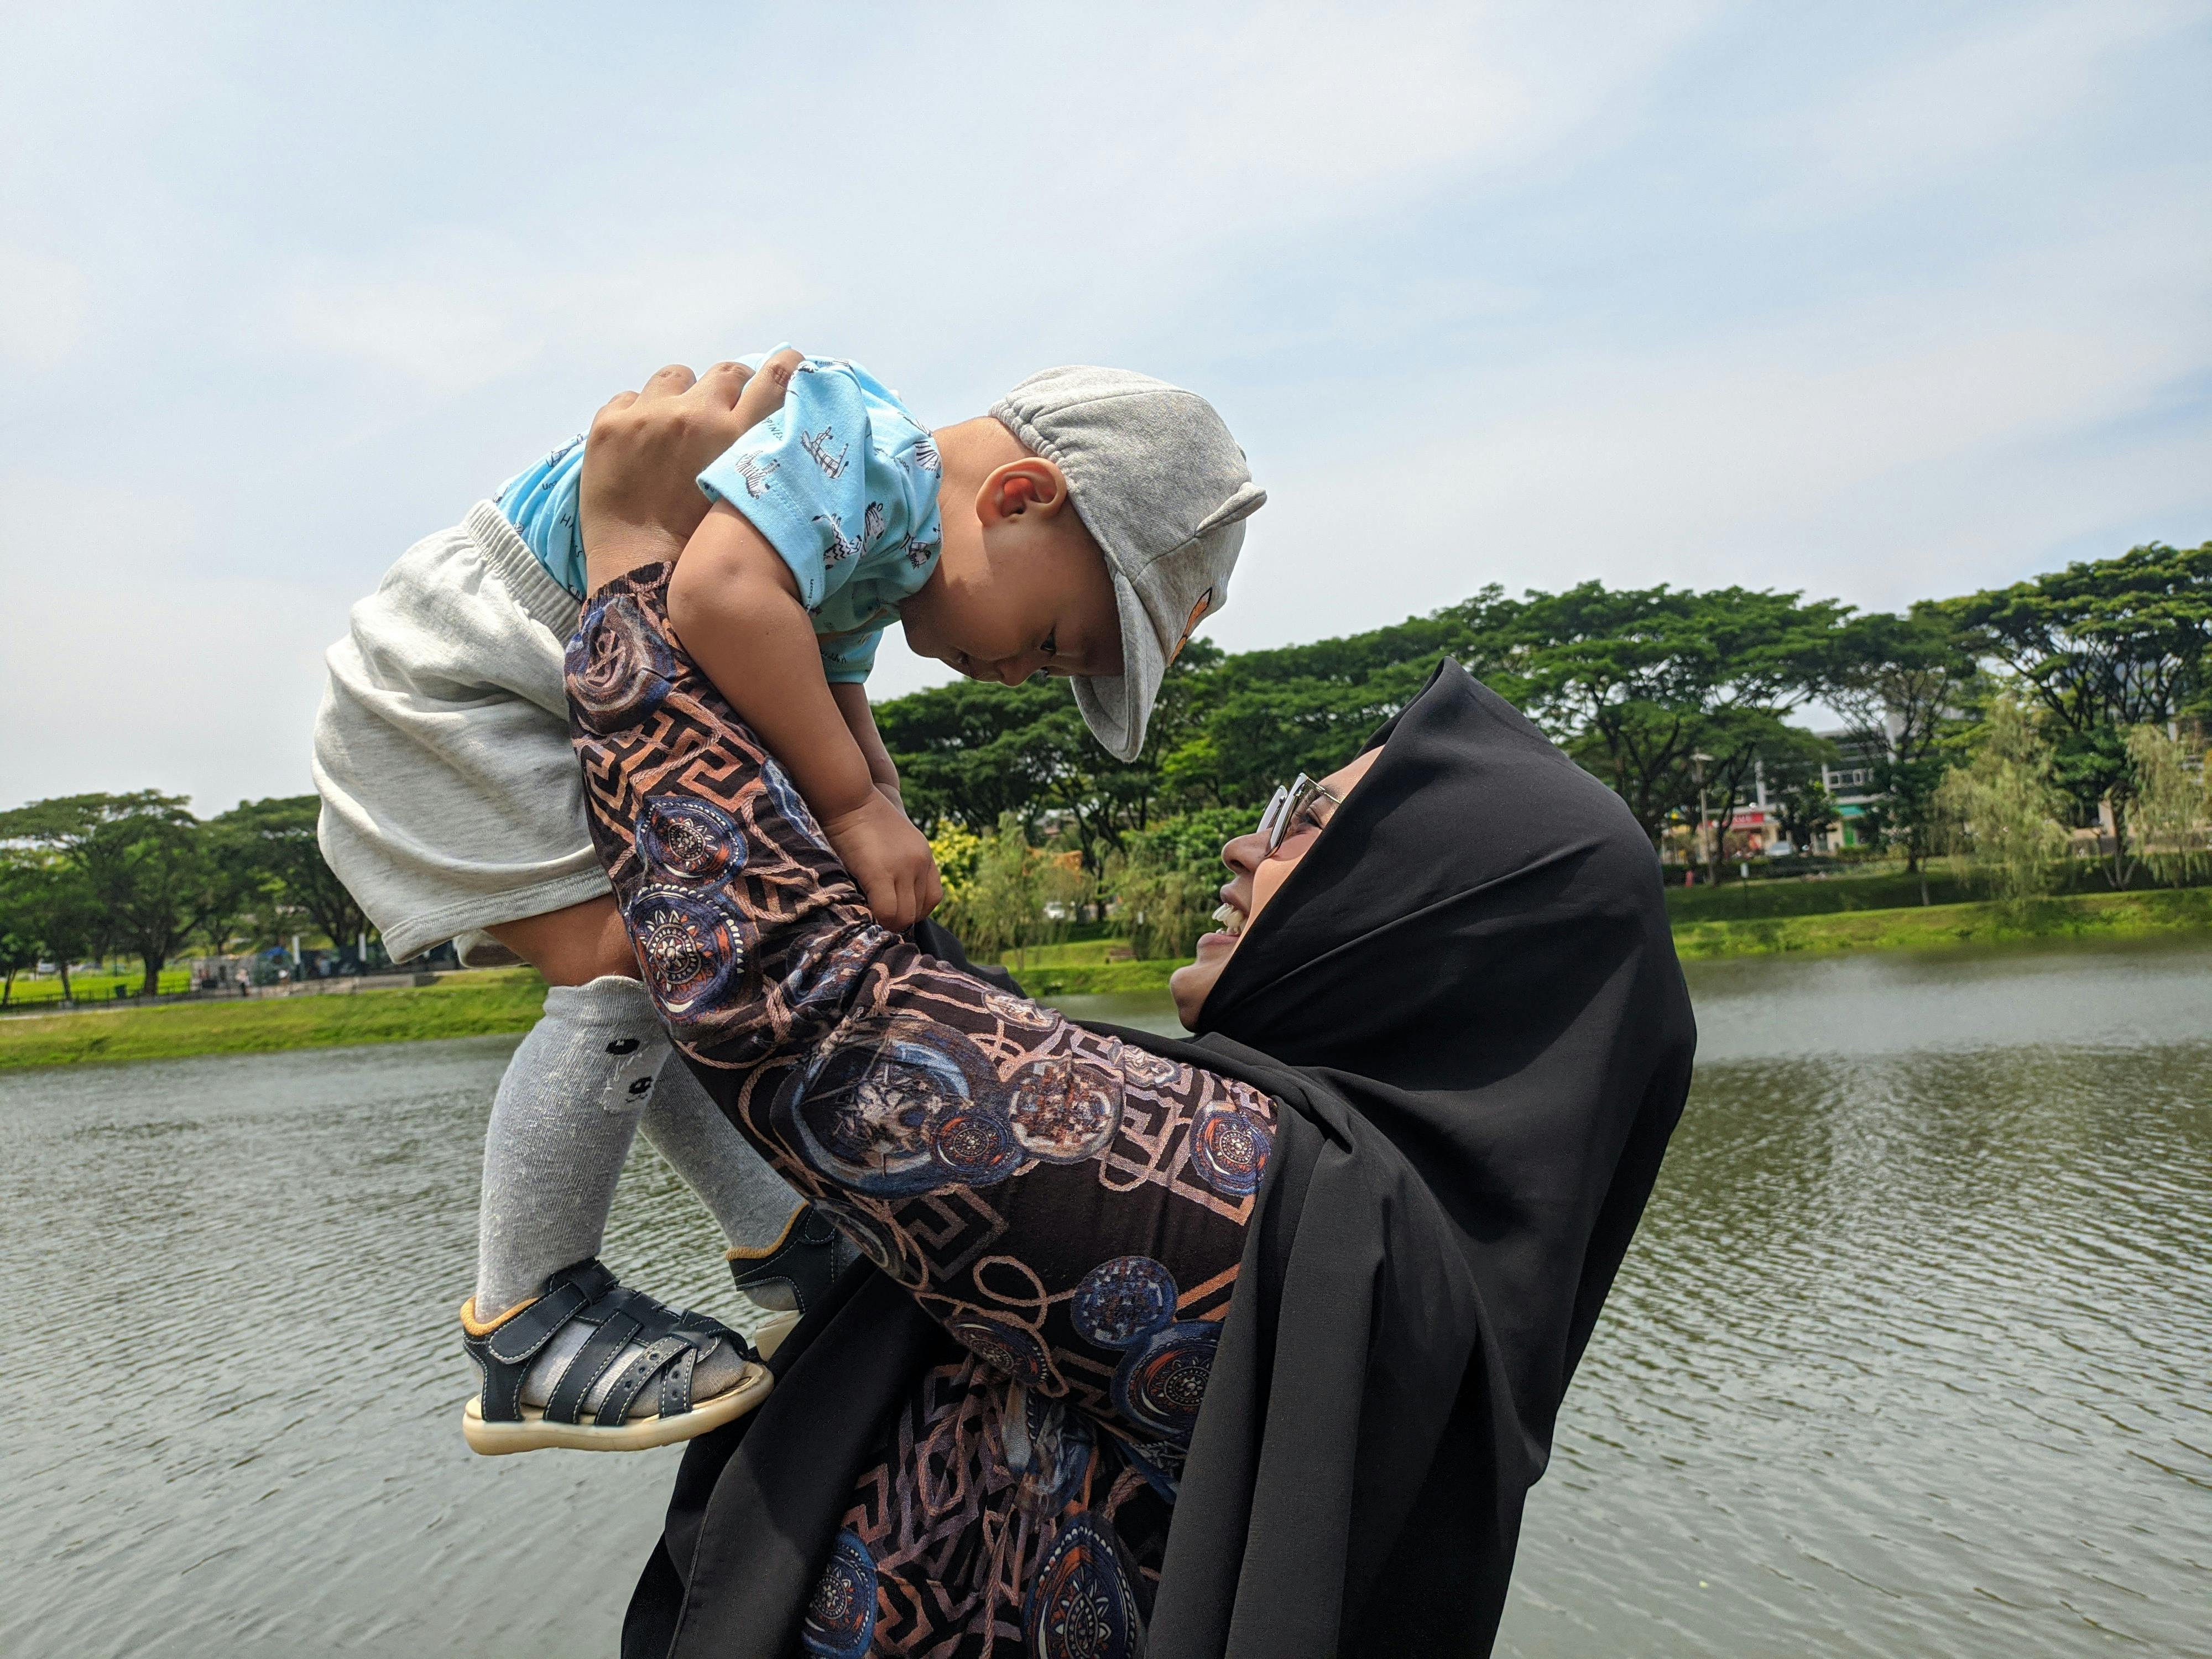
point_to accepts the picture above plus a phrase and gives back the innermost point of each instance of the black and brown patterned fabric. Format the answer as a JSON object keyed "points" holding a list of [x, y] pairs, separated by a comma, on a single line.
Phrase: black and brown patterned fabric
{"points": [[1070, 1207]]}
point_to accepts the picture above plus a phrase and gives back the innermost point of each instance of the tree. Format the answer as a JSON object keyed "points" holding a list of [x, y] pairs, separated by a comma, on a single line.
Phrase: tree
{"points": [[1168, 882], [2101, 646], [1225, 731], [2003, 808], [2170, 805], [1637, 682], [19, 933], [1005, 899], [139, 855], [1900, 682], [278, 849], [49, 907]]}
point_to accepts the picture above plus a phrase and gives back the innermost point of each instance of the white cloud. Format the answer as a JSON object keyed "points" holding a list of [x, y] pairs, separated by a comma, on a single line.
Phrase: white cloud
{"points": [[44, 303], [450, 315], [1935, 116], [131, 667]]}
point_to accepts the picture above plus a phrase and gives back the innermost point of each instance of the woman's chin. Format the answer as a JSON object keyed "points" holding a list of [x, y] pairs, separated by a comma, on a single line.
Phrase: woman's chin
{"points": [[1190, 984]]}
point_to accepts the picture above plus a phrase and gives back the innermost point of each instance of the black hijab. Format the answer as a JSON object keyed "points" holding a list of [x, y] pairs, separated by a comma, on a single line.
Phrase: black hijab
{"points": [[1467, 995]]}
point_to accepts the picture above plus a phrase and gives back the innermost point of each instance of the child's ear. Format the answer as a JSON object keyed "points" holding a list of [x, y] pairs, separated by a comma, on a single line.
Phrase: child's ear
{"points": [[1032, 485]]}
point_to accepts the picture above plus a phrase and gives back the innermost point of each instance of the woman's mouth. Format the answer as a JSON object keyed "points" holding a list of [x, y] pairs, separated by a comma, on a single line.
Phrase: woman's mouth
{"points": [[1231, 920]]}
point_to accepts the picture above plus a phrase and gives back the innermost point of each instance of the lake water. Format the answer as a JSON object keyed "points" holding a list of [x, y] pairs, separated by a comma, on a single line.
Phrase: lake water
{"points": [[1913, 1355]]}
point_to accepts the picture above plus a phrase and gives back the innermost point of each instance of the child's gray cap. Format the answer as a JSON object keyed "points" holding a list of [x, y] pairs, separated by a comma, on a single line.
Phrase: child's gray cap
{"points": [[1165, 491]]}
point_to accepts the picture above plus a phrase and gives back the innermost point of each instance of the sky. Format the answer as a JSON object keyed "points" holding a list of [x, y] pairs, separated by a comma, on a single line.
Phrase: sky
{"points": [[1876, 302]]}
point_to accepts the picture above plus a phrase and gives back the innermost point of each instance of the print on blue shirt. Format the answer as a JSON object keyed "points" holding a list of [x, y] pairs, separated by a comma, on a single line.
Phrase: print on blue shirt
{"points": [[842, 481]]}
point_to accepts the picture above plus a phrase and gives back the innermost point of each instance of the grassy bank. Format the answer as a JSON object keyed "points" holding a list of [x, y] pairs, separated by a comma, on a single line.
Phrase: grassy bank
{"points": [[1917, 927], [29, 990], [479, 1004], [466, 1005], [1080, 968]]}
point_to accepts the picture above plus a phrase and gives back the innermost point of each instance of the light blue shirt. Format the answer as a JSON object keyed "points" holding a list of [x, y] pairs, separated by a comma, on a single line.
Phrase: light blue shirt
{"points": [[842, 481]]}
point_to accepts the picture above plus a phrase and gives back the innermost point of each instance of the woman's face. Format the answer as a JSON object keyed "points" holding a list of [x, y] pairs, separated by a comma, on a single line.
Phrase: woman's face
{"points": [[1255, 877]]}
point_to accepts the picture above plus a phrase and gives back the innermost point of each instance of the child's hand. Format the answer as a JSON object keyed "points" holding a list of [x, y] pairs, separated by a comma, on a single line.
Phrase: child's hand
{"points": [[890, 860]]}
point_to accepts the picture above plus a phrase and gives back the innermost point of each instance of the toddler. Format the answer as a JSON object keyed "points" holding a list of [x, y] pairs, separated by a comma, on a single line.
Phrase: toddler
{"points": [[1083, 527]]}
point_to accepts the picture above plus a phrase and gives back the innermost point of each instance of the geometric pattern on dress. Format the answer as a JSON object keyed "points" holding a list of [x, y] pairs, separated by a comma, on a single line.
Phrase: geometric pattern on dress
{"points": [[1002, 1163]]}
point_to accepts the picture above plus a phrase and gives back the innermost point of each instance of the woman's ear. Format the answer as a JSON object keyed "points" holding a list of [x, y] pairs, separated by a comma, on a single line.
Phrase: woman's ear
{"points": [[1032, 485]]}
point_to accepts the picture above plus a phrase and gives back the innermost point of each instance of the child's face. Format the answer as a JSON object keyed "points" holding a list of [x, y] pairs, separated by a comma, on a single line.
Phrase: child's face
{"points": [[1020, 585]]}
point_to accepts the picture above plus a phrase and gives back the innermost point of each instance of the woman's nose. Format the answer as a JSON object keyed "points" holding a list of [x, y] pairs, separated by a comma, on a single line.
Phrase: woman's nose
{"points": [[1243, 854]]}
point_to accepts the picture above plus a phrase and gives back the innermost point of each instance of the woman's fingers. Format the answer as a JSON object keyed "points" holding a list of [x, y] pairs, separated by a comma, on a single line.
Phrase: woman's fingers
{"points": [[722, 385], [764, 393], [670, 382]]}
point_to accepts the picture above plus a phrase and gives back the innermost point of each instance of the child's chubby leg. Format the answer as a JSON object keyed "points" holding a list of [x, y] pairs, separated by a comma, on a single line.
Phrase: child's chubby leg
{"points": [[567, 1355]]}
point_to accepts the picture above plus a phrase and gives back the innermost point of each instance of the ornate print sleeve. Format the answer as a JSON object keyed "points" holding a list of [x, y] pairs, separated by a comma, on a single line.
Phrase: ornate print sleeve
{"points": [[1070, 1207]]}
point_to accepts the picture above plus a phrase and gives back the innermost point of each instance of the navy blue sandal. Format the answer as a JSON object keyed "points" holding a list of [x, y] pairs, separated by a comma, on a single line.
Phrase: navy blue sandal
{"points": [[792, 1274], [590, 1366]]}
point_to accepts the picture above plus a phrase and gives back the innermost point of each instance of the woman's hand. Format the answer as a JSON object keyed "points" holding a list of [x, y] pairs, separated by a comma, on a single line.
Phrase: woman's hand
{"points": [[639, 499]]}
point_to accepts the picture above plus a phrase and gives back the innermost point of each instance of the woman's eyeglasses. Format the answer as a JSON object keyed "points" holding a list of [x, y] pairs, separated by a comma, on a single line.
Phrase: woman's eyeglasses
{"points": [[1296, 806]]}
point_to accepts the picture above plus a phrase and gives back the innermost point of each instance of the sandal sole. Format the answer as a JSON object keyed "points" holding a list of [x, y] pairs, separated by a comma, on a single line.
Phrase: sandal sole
{"points": [[534, 1433], [769, 1337]]}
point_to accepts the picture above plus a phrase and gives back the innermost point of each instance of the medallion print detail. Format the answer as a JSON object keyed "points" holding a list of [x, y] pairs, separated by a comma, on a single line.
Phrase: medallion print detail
{"points": [[1081, 1605], [1230, 1151], [690, 947], [618, 666], [1124, 1301], [873, 1110], [841, 1616], [1065, 1111], [976, 1147], [1002, 1345], [686, 838], [1163, 1382]]}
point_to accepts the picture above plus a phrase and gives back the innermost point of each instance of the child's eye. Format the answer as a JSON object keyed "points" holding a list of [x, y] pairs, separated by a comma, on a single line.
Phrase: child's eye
{"points": [[1051, 646]]}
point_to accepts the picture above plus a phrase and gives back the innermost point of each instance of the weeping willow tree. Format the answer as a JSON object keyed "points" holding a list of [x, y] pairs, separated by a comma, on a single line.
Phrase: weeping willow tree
{"points": [[2171, 806], [1166, 903], [1003, 895], [2002, 810]]}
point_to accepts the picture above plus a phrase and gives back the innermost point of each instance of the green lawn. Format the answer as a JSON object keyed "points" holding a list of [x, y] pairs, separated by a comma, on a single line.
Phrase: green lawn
{"points": [[509, 1000], [464, 1005], [1924, 928], [91, 987]]}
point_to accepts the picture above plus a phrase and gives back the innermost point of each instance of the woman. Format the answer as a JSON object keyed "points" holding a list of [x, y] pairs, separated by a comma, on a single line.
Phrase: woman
{"points": [[1309, 1286]]}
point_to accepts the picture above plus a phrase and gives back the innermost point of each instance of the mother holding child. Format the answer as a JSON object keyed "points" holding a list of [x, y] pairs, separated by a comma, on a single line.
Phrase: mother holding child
{"points": [[1250, 1344]]}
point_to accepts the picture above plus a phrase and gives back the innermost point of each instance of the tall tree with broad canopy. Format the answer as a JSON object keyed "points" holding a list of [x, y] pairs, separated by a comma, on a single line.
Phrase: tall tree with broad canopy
{"points": [[2101, 646], [1635, 684], [47, 906], [140, 857], [277, 849]]}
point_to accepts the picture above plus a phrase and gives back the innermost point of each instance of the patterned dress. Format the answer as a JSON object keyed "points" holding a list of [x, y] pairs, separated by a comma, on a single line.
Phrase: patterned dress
{"points": [[1071, 1209]]}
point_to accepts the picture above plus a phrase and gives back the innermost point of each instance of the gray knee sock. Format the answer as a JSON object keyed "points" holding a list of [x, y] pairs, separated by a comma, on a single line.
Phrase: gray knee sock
{"points": [[560, 1126], [749, 1199]]}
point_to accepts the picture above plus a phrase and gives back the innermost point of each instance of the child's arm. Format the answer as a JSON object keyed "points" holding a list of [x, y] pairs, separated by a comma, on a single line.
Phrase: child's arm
{"points": [[861, 721], [736, 610]]}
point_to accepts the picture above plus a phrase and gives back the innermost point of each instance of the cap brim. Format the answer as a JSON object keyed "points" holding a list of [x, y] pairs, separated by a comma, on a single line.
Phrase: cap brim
{"points": [[1117, 708]]}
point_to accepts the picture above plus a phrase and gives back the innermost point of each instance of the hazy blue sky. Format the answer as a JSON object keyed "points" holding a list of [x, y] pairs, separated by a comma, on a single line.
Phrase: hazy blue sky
{"points": [[1871, 300]]}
